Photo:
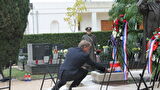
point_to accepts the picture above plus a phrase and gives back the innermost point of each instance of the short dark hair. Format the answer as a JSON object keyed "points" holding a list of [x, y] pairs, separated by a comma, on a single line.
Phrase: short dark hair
{"points": [[88, 28]]}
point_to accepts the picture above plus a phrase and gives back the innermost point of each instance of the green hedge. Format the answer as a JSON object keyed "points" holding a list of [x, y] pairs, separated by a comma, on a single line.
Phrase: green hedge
{"points": [[67, 39]]}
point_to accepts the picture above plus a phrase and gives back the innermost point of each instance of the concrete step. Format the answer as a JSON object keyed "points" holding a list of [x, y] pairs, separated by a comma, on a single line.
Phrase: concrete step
{"points": [[118, 76]]}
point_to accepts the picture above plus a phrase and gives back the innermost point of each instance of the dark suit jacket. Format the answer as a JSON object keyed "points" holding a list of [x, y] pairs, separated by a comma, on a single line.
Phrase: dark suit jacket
{"points": [[75, 59]]}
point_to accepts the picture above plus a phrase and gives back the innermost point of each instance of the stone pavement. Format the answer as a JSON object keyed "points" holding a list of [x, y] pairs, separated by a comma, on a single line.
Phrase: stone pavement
{"points": [[87, 84], [29, 85]]}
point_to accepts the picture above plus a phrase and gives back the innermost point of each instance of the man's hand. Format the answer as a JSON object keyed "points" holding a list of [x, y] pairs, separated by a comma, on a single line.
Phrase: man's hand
{"points": [[105, 71], [109, 70]]}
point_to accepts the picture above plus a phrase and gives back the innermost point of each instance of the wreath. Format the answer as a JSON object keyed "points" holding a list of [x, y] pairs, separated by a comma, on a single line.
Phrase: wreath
{"points": [[118, 26], [153, 49]]}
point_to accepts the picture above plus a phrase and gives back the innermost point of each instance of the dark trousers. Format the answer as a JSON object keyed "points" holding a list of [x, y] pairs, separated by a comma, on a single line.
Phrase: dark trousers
{"points": [[76, 77]]}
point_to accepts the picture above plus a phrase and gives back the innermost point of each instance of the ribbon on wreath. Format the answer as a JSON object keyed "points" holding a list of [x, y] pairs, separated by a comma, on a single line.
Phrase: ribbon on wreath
{"points": [[124, 46], [114, 51], [116, 28], [152, 46], [114, 40], [149, 56]]}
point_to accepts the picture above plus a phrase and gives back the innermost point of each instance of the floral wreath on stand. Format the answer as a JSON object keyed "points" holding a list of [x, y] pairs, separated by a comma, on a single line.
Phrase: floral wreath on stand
{"points": [[153, 50], [120, 33]]}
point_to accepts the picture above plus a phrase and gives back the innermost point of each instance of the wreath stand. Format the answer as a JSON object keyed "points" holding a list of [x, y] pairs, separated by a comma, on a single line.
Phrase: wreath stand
{"points": [[156, 76], [48, 72], [112, 72]]}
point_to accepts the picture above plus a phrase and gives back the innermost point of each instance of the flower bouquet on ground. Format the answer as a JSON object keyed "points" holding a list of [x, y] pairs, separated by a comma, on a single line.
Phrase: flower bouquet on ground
{"points": [[116, 67]]}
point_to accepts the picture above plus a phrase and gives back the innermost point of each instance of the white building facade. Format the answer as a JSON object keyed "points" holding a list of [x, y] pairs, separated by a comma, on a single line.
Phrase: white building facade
{"points": [[49, 17]]}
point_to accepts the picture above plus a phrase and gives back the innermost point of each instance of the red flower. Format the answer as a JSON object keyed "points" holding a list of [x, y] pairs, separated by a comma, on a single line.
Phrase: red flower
{"points": [[117, 21], [157, 35], [117, 29], [113, 26], [124, 20], [158, 29], [153, 38], [121, 15], [155, 46]]}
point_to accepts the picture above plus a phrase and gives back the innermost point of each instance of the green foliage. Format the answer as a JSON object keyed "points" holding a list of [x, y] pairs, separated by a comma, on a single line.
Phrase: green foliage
{"points": [[15, 73], [73, 15], [106, 56], [158, 51], [13, 21], [19, 74], [72, 39], [67, 39], [134, 37], [129, 9]]}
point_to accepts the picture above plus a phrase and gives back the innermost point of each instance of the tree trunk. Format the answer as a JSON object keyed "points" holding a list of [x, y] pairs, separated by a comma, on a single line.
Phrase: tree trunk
{"points": [[1, 72]]}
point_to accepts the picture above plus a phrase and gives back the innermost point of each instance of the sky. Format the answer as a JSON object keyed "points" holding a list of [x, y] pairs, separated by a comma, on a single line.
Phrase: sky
{"points": [[61, 0]]}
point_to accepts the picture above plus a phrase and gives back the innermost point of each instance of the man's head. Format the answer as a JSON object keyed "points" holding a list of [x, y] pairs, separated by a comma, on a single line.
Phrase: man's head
{"points": [[85, 45], [88, 30]]}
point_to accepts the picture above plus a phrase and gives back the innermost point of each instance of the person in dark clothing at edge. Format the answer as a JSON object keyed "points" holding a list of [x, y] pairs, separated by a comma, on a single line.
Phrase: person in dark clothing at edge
{"points": [[93, 40], [72, 70]]}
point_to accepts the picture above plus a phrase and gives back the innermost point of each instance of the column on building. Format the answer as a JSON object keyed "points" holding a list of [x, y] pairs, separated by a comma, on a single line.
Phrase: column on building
{"points": [[94, 21], [37, 22], [33, 20]]}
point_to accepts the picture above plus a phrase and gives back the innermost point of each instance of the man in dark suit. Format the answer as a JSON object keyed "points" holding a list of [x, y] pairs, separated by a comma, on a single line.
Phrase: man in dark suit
{"points": [[71, 69]]}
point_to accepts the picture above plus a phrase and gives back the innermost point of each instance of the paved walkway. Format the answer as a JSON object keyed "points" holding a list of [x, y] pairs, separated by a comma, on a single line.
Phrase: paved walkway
{"points": [[29, 85], [87, 85]]}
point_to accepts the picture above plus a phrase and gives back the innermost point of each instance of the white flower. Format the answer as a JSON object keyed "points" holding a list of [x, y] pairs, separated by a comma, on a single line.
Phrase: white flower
{"points": [[121, 38], [114, 33], [156, 36], [65, 50]]}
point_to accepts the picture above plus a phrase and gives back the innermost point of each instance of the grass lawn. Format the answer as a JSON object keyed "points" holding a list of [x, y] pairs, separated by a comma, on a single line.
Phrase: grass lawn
{"points": [[19, 74]]}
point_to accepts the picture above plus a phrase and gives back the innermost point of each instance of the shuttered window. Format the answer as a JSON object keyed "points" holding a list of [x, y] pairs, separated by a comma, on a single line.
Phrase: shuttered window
{"points": [[106, 25]]}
